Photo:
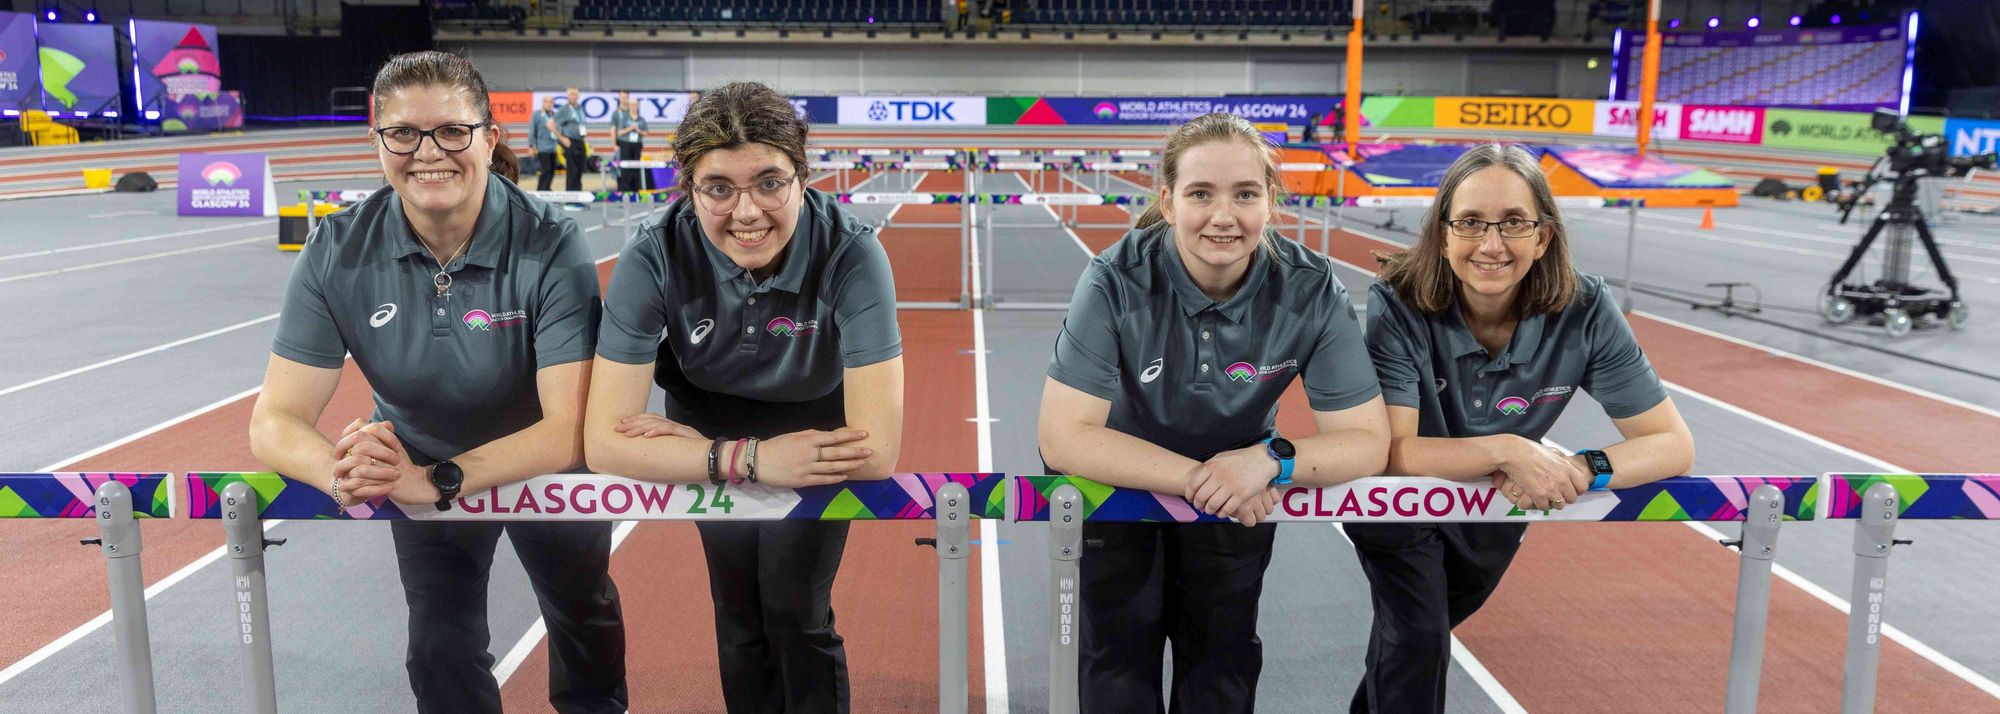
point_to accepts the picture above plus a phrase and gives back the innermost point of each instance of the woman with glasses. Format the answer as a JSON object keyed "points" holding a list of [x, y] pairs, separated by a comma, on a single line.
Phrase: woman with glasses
{"points": [[782, 364], [471, 308], [1481, 334]]}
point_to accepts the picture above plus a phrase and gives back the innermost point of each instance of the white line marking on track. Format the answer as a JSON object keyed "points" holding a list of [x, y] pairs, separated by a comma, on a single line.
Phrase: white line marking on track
{"points": [[122, 214], [1085, 247], [133, 259], [136, 355], [1988, 411], [993, 631]]}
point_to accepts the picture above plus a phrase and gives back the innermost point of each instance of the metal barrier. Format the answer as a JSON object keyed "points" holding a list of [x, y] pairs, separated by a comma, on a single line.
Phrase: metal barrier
{"points": [[242, 500]]}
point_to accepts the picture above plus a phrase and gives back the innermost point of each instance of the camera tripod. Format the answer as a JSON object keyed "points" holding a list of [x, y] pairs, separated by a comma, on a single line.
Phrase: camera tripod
{"points": [[1892, 297]]}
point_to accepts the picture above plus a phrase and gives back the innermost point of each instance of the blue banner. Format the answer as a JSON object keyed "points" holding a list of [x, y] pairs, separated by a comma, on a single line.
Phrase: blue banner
{"points": [[79, 69], [1972, 136], [818, 110], [20, 73]]}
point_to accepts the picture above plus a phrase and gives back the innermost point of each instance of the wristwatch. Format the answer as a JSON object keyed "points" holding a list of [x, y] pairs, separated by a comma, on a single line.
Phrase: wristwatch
{"points": [[1600, 467], [1281, 450], [448, 478]]}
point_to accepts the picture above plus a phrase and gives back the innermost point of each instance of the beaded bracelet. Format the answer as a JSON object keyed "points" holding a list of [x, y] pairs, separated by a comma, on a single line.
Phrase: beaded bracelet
{"points": [[337, 498], [750, 463]]}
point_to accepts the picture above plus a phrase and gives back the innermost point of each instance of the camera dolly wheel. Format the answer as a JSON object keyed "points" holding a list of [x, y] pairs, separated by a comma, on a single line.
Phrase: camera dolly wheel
{"points": [[1896, 321], [1956, 315], [1835, 309]]}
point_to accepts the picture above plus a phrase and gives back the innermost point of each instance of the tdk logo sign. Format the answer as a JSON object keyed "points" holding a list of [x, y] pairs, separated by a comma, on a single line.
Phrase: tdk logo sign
{"points": [[913, 110]]}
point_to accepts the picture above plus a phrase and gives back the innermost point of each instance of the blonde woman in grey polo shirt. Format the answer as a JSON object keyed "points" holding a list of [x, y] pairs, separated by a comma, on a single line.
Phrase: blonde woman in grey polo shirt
{"points": [[471, 307], [1166, 377], [768, 315], [1481, 335]]}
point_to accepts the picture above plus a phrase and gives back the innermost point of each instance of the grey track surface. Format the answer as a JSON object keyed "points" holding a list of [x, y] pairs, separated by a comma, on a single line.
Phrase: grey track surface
{"points": [[336, 599]]}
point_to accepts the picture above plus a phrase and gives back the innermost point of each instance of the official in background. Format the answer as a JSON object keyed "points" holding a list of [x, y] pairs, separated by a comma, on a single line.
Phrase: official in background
{"points": [[573, 137], [542, 139], [629, 128]]}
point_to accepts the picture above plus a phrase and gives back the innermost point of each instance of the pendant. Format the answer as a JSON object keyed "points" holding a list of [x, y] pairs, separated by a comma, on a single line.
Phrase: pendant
{"points": [[443, 282]]}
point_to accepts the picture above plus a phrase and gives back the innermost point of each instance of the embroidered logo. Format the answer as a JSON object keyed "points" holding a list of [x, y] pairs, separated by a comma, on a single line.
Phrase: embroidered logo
{"points": [[1512, 406], [700, 331], [382, 315], [1152, 372]]}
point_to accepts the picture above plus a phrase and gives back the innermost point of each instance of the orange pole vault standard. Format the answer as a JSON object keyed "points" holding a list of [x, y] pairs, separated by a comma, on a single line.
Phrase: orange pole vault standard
{"points": [[1649, 75], [1351, 118]]}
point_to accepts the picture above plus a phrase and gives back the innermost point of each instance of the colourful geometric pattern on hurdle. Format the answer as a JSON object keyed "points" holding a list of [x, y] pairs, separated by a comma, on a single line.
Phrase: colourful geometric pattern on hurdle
{"points": [[1973, 497], [1410, 499], [74, 494], [597, 497]]}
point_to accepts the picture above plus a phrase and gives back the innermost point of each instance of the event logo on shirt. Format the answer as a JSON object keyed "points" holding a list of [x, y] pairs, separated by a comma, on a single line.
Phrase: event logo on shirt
{"points": [[1551, 394], [785, 327], [1512, 406], [482, 321], [1246, 372]]}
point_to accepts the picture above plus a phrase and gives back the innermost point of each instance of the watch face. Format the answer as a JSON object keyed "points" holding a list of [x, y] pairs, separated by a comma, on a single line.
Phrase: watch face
{"points": [[1283, 449], [1599, 462], [447, 476]]}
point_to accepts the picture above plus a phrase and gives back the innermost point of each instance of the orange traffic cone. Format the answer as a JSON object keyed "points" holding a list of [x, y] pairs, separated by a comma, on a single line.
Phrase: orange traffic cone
{"points": [[1708, 218]]}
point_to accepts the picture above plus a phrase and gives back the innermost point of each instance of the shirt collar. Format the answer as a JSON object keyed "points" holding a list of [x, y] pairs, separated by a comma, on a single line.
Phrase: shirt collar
{"points": [[1520, 348], [797, 256], [1192, 300], [489, 231]]}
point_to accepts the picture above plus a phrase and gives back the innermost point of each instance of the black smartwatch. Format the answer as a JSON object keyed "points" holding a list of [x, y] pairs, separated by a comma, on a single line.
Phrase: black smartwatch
{"points": [[1600, 469], [448, 478]]}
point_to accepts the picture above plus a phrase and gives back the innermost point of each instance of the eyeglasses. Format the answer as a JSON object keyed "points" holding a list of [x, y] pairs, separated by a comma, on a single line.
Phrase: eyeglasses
{"points": [[406, 140], [768, 194], [1510, 229]]}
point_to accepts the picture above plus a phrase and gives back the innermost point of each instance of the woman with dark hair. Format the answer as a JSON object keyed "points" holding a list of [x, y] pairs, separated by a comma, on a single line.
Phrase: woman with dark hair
{"points": [[782, 364], [1166, 377], [1481, 334], [472, 308]]}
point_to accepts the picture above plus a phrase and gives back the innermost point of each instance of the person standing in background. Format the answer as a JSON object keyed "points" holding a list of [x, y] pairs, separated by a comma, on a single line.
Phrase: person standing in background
{"points": [[629, 129], [542, 138], [571, 134]]}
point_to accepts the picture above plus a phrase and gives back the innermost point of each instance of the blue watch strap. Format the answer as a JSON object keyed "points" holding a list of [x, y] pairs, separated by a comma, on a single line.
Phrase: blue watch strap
{"points": [[1599, 480], [1284, 466]]}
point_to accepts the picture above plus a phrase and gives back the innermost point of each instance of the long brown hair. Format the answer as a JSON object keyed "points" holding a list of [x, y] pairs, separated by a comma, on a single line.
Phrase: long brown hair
{"points": [[1214, 126], [739, 114], [1423, 278]]}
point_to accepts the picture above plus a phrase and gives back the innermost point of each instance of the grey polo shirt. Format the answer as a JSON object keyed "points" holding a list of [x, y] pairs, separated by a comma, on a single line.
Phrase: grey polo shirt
{"points": [[1433, 364], [451, 372], [831, 305], [1201, 377], [539, 137], [569, 121]]}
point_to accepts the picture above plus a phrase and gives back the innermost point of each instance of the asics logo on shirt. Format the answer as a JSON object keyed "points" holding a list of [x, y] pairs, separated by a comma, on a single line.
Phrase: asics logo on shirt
{"points": [[382, 315], [701, 330], [1152, 372]]}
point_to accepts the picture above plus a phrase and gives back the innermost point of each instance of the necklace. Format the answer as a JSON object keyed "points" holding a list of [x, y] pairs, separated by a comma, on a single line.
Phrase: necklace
{"points": [[443, 279]]}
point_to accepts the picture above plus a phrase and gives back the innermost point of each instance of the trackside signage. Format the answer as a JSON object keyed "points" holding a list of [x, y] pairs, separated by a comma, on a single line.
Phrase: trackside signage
{"points": [[1568, 116]]}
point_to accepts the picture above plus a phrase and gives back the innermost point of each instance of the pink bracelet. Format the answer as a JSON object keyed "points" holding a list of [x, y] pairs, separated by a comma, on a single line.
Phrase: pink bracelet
{"points": [[735, 449]]}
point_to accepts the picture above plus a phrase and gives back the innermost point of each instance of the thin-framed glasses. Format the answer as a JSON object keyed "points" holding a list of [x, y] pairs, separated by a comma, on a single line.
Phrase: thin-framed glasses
{"points": [[1510, 228], [407, 140], [768, 194]]}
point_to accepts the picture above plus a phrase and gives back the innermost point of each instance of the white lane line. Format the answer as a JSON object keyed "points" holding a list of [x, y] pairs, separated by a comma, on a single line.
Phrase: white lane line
{"points": [[1074, 238], [1467, 661], [129, 241], [151, 430], [122, 214], [993, 629], [134, 259], [504, 669], [1962, 404], [136, 355]]}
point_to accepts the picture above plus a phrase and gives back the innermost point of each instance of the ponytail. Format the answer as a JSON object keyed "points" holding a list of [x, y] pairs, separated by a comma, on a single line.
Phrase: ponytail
{"points": [[505, 163]]}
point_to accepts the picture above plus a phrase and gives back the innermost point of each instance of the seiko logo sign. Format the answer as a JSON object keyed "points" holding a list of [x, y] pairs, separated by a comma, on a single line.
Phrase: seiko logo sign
{"points": [[1519, 114]]}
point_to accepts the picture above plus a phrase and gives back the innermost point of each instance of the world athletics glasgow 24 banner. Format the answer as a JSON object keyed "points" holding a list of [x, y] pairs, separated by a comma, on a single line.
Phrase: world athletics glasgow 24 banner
{"points": [[20, 73], [79, 69]]}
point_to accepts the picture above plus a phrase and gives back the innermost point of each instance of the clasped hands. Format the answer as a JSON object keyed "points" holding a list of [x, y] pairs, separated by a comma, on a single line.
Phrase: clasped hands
{"points": [[1235, 484], [1540, 478], [801, 458], [370, 462]]}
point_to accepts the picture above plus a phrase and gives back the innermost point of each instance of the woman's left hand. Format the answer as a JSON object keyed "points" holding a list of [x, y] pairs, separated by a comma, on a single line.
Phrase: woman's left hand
{"points": [[413, 483], [649, 425], [1235, 484]]}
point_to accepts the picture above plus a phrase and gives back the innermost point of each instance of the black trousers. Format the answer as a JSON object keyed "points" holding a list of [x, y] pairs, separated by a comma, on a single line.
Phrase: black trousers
{"points": [[628, 179], [1424, 580], [578, 165], [444, 568], [545, 168], [772, 582], [1194, 585]]}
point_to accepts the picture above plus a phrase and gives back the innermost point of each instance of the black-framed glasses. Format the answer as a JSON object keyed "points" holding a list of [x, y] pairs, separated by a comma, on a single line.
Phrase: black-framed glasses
{"points": [[407, 140], [768, 194], [1510, 228]]}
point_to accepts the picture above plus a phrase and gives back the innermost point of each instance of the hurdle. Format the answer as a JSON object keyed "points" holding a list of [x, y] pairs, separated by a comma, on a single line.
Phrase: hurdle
{"points": [[1761, 502], [116, 501], [1877, 502], [242, 500], [963, 225]]}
